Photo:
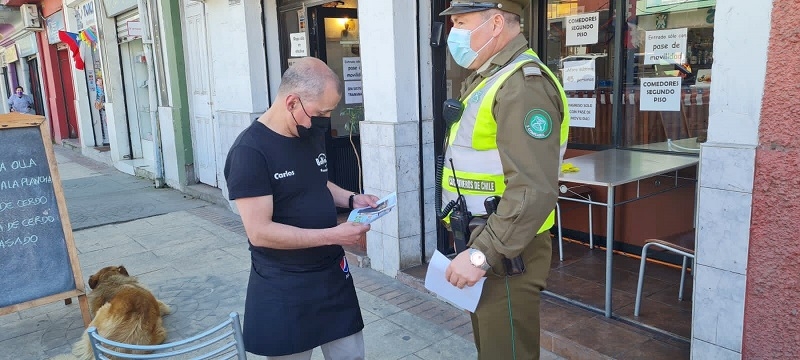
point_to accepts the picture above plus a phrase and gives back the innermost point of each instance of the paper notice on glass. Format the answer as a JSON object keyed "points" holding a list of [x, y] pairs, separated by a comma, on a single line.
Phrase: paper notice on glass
{"points": [[299, 46], [579, 75], [582, 112], [368, 214], [665, 47], [353, 92], [582, 29], [466, 298], [660, 94]]}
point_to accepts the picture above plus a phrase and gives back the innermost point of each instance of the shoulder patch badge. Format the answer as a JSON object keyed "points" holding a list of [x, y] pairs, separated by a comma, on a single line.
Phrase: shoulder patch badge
{"points": [[538, 124]]}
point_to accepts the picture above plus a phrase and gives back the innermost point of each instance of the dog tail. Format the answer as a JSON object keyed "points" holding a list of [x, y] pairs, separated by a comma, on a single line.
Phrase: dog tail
{"points": [[164, 308], [82, 349]]}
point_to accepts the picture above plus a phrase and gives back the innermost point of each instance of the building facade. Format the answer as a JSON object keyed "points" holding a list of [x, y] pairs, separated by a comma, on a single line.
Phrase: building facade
{"points": [[168, 85]]}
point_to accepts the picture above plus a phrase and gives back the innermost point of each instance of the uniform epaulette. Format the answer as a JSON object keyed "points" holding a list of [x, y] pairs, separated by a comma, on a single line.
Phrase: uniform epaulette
{"points": [[531, 71]]}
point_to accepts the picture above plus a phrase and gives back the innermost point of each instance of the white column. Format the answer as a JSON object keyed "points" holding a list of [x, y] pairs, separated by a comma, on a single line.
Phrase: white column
{"points": [[727, 163], [390, 136], [237, 65]]}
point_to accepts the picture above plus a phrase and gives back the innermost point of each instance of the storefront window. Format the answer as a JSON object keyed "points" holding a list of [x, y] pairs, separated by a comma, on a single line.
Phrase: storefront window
{"points": [[665, 62], [667, 74], [579, 48]]}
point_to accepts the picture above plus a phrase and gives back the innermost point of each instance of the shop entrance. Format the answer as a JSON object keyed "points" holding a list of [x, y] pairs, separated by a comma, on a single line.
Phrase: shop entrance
{"points": [[329, 32], [36, 84], [137, 103], [67, 91]]}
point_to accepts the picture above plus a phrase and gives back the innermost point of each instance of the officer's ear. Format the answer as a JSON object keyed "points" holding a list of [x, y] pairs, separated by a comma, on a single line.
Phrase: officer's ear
{"points": [[498, 24]]}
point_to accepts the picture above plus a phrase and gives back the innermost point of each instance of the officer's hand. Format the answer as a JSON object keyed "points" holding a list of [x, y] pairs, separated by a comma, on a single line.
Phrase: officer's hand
{"points": [[364, 200], [349, 233], [461, 273]]}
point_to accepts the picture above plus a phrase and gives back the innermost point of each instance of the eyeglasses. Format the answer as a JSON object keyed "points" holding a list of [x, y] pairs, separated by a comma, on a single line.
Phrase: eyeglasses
{"points": [[474, 4]]}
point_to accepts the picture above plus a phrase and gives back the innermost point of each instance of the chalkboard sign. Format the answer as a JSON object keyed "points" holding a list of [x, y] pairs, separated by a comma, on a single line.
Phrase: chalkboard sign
{"points": [[38, 259]]}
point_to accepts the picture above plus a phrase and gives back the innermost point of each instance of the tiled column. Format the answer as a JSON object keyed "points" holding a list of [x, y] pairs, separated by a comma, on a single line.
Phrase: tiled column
{"points": [[390, 136], [727, 163]]}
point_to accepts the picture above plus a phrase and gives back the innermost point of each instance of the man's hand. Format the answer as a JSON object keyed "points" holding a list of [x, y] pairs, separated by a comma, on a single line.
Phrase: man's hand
{"points": [[349, 233], [365, 200], [461, 272]]}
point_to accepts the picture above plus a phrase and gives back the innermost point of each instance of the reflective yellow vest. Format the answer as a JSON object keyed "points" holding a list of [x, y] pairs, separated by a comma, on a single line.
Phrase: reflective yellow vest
{"points": [[473, 142]]}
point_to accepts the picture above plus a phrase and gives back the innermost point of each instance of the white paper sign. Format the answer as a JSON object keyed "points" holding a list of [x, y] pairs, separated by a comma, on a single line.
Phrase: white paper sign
{"points": [[582, 29], [660, 94], [582, 112], [665, 47], [135, 28], [299, 48], [353, 92], [351, 67], [579, 75]]}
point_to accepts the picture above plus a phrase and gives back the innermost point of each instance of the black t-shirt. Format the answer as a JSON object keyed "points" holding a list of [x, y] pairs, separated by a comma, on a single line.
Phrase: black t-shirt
{"points": [[294, 171]]}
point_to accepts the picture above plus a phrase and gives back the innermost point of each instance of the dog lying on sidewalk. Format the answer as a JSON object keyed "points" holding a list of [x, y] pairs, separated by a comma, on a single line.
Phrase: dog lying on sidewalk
{"points": [[122, 310]]}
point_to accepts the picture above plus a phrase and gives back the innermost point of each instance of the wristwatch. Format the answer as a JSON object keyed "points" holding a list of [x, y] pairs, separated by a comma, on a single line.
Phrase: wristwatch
{"points": [[478, 259]]}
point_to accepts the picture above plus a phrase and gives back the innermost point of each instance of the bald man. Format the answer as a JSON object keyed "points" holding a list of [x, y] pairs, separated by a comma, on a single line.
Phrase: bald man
{"points": [[300, 294]]}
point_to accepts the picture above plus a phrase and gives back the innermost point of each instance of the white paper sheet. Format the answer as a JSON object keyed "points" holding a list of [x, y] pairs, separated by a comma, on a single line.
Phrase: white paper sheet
{"points": [[466, 298]]}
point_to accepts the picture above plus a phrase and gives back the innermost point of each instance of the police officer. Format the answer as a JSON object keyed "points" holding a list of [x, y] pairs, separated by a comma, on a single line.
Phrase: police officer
{"points": [[509, 142]]}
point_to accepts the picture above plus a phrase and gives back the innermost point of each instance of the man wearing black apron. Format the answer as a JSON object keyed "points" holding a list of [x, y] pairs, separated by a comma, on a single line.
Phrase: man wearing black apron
{"points": [[300, 294]]}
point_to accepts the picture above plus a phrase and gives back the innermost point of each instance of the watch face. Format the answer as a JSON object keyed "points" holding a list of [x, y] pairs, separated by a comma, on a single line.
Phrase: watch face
{"points": [[477, 258]]}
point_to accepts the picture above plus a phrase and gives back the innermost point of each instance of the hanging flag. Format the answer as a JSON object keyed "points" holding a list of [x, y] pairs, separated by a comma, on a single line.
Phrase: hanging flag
{"points": [[72, 41], [90, 33]]}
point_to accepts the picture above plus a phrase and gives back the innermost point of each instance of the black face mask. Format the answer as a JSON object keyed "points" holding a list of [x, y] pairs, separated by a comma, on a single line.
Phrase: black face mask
{"points": [[318, 124]]}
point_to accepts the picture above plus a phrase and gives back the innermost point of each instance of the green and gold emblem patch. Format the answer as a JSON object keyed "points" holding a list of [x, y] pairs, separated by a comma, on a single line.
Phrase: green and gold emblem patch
{"points": [[538, 124]]}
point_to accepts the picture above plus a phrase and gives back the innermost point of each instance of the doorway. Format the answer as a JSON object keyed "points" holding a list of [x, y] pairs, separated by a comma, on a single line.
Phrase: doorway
{"points": [[137, 101], [202, 119], [36, 85], [67, 92], [331, 35]]}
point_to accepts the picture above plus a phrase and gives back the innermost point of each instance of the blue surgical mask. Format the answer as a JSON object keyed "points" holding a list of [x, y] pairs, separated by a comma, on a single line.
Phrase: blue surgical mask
{"points": [[458, 43]]}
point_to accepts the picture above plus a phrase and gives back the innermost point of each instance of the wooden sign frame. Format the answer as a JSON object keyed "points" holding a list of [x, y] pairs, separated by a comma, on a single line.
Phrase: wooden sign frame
{"points": [[17, 120]]}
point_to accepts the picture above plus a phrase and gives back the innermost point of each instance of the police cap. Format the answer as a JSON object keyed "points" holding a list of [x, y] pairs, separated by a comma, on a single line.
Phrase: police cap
{"points": [[462, 7]]}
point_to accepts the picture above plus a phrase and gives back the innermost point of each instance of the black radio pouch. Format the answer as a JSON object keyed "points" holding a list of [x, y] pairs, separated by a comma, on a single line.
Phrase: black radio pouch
{"points": [[459, 224], [515, 266]]}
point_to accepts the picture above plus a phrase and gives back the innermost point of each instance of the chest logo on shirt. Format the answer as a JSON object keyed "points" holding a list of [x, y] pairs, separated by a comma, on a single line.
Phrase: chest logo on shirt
{"points": [[322, 162], [345, 266], [284, 175]]}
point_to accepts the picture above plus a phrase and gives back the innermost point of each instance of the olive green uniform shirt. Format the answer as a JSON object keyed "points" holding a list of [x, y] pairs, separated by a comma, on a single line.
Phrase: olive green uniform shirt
{"points": [[530, 165]]}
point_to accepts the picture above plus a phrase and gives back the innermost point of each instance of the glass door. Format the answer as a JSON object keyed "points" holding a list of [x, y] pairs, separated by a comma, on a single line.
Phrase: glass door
{"points": [[333, 37]]}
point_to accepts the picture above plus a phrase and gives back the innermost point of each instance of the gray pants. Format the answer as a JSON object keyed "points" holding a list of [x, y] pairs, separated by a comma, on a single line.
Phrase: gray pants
{"points": [[346, 348]]}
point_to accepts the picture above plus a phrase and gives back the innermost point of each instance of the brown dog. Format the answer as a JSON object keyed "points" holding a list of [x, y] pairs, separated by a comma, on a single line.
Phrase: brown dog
{"points": [[122, 310]]}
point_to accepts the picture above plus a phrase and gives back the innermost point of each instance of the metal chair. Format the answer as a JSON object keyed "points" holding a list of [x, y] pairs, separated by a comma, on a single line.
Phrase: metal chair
{"points": [[671, 247], [223, 341], [577, 192]]}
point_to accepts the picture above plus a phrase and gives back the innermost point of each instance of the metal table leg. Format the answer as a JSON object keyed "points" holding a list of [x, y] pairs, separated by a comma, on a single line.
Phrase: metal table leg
{"points": [[609, 246]]}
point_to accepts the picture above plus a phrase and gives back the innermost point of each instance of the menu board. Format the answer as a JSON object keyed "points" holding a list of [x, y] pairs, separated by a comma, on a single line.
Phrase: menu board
{"points": [[37, 252]]}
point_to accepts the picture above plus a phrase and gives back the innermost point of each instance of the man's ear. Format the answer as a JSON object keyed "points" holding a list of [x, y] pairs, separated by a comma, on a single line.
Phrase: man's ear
{"points": [[290, 101]]}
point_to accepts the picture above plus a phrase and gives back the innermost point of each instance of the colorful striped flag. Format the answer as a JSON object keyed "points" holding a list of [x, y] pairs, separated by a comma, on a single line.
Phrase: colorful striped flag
{"points": [[90, 33]]}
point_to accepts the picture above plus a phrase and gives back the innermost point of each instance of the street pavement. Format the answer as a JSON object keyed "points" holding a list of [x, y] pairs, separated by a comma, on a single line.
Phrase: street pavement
{"points": [[193, 255]]}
